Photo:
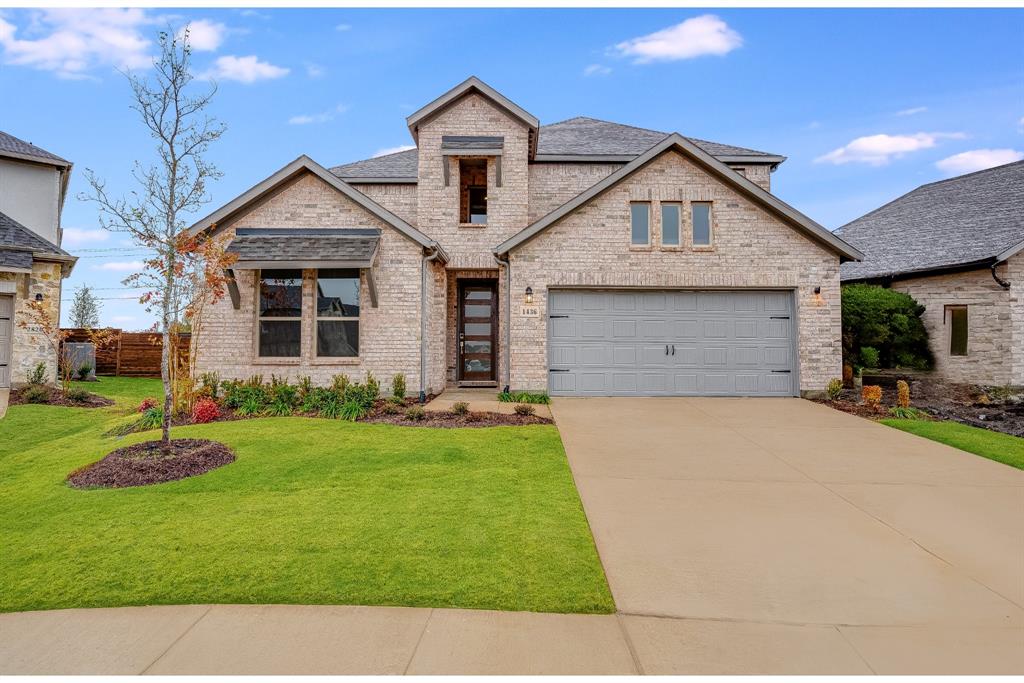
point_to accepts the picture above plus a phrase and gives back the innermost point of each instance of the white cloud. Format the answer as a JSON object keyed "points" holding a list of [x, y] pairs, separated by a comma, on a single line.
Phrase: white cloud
{"points": [[911, 111], [314, 70], [122, 266], [977, 160], [253, 13], [248, 69], [878, 150], [76, 237], [322, 117], [393, 150], [343, 27], [596, 70], [72, 42], [696, 37], [204, 35]]}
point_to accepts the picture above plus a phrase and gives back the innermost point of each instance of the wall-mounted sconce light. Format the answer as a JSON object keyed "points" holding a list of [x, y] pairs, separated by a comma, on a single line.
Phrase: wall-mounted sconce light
{"points": [[529, 295], [818, 300], [39, 297]]}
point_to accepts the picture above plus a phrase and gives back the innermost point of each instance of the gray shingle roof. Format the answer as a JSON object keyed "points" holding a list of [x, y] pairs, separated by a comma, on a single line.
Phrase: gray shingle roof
{"points": [[11, 258], [964, 220], [304, 245], [14, 234], [580, 136], [17, 146]]}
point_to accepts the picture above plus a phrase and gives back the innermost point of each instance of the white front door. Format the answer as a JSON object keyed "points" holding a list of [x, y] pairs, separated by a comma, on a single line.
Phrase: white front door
{"points": [[6, 334]]}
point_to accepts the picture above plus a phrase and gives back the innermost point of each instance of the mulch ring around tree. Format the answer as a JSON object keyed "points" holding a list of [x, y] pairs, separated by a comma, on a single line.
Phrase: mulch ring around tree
{"points": [[56, 397], [145, 463]]}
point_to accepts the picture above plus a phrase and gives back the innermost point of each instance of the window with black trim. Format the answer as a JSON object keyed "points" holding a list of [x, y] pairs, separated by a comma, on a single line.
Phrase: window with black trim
{"points": [[280, 313], [337, 313], [957, 317], [640, 224], [701, 221]]}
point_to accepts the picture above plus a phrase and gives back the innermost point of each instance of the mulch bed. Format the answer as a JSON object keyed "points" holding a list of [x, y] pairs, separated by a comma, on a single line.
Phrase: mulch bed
{"points": [[977, 406], [451, 420], [145, 463], [57, 398]]}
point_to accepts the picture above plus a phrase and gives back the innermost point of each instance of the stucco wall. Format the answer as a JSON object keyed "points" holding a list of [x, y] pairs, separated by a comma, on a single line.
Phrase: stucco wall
{"points": [[438, 205], [994, 322], [29, 345], [752, 249], [389, 335], [30, 194]]}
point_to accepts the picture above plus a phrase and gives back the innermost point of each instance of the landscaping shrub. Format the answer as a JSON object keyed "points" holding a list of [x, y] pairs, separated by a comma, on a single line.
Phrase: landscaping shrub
{"points": [[525, 409], [340, 384], [869, 357], [37, 375], [147, 403], [352, 410], [316, 398], [36, 393], [210, 383], [834, 388], [83, 371], [872, 394], [885, 320], [151, 418], [251, 405], [372, 387], [77, 394], [391, 408], [902, 394], [330, 405], [398, 386], [524, 397], [303, 390], [460, 408], [906, 413], [282, 399], [205, 410], [415, 413]]}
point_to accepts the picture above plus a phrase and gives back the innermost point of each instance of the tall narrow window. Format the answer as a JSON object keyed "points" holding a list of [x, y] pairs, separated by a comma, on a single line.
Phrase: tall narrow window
{"points": [[640, 219], [670, 225], [701, 224], [473, 191], [337, 313], [957, 330], [280, 313]]}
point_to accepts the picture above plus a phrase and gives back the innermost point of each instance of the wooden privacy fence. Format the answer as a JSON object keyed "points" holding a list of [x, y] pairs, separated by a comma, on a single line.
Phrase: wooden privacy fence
{"points": [[131, 354]]}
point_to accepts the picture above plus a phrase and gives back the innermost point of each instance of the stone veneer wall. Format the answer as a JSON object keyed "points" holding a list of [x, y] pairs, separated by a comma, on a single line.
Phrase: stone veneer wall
{"points": [[29, 346], [389, 336], [438, 206], [752, 249], [995, 322]]}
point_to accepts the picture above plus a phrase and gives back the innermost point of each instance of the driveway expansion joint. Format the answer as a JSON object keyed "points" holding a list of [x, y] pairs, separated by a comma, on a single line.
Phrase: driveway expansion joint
{"points": [[177, 640]]}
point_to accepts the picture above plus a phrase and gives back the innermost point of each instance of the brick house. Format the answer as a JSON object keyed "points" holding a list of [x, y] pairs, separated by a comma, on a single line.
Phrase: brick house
{"points": [[582, 257], [957, 247], [33, 186]]}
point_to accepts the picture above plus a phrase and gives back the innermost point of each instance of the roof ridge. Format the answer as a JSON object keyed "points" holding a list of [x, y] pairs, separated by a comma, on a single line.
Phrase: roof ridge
{"points": [[972, 173], [614, 123]]}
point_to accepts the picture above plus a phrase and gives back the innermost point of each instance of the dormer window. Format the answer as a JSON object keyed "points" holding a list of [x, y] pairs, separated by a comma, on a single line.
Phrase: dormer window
{"points": [[473, 191]]}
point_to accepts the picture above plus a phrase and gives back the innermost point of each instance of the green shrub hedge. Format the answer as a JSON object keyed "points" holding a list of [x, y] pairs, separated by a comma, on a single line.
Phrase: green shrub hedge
{"points": [[887, 324]]}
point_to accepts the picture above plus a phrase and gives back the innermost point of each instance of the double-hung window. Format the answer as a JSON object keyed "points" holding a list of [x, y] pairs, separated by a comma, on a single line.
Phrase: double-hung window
{"points": [[337, 313], [701, 222], [640, 224], [669, 225], [280, 313]]}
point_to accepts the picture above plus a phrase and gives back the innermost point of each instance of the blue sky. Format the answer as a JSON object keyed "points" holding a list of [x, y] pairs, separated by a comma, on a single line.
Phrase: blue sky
{"points": [[866, 104]]}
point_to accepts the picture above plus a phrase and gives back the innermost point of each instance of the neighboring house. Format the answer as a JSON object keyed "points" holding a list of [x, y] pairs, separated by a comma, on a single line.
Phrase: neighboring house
{"points": [[33, 185], [957, 247], [584, 257]]}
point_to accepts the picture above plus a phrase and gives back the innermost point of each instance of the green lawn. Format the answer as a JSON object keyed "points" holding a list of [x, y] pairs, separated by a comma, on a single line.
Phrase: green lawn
{"points": [[992, 445], [313, 511]]}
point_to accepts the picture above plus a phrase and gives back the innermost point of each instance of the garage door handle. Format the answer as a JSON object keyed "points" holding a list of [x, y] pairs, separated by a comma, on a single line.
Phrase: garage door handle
{"points": [[558, 316], [558, 370], [779, 317], [673, 349], [666, 349], [782, 371]]}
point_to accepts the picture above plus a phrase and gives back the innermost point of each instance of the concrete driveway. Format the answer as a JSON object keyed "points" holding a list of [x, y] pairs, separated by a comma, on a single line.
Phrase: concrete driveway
{"points": [[781, 536]]}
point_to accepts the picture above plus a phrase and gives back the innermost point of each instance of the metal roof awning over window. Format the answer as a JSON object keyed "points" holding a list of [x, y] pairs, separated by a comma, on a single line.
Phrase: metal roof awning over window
{"points": [[269, 248]]}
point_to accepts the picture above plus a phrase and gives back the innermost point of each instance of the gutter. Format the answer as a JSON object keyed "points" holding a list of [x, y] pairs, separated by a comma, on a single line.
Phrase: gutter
{"points": [[432, 253], [508, 319]]}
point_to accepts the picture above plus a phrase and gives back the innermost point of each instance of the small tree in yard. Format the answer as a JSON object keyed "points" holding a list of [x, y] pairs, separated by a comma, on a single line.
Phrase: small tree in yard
{"points": [[883, 327], [171, 188], [85, 309]]}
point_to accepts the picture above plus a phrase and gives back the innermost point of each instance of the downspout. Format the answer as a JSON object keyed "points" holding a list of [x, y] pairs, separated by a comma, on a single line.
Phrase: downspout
{"points": [[508, 320], [999, 281], [429, 254]]}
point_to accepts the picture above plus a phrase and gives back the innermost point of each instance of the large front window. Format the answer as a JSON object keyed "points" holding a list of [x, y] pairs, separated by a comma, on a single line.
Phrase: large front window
{"points": [[280, 313], [337, 313]]}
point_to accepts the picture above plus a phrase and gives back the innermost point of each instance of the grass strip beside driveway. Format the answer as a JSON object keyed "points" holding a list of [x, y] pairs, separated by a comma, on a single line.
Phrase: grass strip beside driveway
{"points": [[996, 446], [313, 512]]}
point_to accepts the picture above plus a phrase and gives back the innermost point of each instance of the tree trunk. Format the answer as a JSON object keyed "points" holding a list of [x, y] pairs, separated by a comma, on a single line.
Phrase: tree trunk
{"points": [[165, 357]]}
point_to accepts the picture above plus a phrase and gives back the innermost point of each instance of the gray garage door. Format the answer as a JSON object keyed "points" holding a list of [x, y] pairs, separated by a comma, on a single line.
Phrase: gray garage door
{"points": [[6, 333], [671, 343]]}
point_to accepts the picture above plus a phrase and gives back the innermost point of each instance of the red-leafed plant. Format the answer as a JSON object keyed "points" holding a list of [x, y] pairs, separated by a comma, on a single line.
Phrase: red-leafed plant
{"points": [[147, 403], [205, 410]]}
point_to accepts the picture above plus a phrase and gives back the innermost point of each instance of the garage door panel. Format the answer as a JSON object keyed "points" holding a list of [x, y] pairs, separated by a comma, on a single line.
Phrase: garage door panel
{"points": [[721, 343]]}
